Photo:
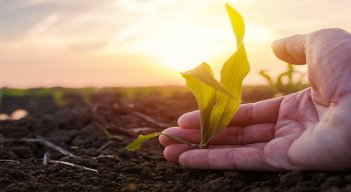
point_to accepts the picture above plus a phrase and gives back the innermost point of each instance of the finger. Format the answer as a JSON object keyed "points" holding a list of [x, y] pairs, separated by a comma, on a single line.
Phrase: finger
{"points": [[266, 111], [291, 49], [172, 152], [190, 120], [255, 145], [229, 136], [242, 158], [260, 112]]}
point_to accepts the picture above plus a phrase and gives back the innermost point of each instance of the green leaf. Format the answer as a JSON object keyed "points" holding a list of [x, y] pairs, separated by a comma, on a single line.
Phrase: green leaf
{"points": [[203, 92], [238, 24], [135, 145], [232, 75], [219, 101], [265, 75]]}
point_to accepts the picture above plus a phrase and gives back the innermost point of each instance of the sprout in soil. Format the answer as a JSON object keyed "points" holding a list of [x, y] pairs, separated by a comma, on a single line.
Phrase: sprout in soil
{"points": [[217, 101]]}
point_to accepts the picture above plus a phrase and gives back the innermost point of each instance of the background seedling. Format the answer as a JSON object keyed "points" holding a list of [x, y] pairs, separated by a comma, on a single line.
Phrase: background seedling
{"points": [[286, 82]]}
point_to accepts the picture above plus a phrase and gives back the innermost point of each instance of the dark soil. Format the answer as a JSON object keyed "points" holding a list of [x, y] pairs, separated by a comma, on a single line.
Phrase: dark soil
{"points": [[79, 128]]}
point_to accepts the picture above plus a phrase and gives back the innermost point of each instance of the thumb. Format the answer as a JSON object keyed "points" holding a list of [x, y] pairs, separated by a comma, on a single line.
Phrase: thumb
{"points": [[291, 49]]}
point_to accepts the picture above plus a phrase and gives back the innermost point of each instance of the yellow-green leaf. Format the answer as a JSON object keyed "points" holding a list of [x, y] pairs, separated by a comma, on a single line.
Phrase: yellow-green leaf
{"points": [[232, 75], [237, 23], [135, 145], [203, 92]]}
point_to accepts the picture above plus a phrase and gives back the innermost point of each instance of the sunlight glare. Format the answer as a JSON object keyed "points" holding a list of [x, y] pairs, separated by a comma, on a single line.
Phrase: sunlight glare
{"points": [[257, 34], [184, 47], [182, 53]]}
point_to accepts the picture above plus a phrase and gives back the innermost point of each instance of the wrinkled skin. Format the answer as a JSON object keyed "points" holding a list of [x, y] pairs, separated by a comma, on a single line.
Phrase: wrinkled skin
{"points": [[307, 130]]}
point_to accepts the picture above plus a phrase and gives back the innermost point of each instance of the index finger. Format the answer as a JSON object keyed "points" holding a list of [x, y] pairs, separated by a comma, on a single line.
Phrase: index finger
{"points": [[251, 113]]}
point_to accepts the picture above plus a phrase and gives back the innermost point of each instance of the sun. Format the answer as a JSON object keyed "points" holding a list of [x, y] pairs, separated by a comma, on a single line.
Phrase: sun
{"points": [[182, 50], [180, 55]]}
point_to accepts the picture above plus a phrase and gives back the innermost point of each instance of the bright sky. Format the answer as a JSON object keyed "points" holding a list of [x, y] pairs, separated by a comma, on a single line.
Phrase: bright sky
{"points": [[145, 42]]}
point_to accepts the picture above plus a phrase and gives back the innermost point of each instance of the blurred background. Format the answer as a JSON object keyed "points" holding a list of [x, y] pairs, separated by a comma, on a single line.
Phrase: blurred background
{"points": [[100, 43]]}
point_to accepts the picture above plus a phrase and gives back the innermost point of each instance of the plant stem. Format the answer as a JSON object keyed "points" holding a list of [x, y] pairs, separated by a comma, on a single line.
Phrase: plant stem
{"points": [[204, 146], [180, 140]]}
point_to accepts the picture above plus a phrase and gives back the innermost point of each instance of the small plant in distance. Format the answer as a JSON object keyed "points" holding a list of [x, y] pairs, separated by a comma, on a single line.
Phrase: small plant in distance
{"points": [[217, 101], [290, 85]]}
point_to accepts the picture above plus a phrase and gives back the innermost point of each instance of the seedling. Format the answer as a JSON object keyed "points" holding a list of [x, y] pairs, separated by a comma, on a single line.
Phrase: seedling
{"points": [[279, 86], [217, 101]]}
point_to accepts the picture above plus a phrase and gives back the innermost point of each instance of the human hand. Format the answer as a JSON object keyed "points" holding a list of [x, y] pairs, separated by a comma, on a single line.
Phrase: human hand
{"points": [[307, 130]]}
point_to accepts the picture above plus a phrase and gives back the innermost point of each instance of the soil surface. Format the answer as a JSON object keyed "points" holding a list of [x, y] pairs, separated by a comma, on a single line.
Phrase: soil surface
{"points": [[101, 163]]}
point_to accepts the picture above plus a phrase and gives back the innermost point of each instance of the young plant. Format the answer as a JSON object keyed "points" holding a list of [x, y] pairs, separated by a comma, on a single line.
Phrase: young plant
{"points": [[285, 83], [217, 101]]}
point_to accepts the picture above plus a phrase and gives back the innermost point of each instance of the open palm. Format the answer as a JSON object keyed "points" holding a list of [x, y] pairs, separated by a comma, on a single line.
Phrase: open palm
{"points": [[307, 130]]}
